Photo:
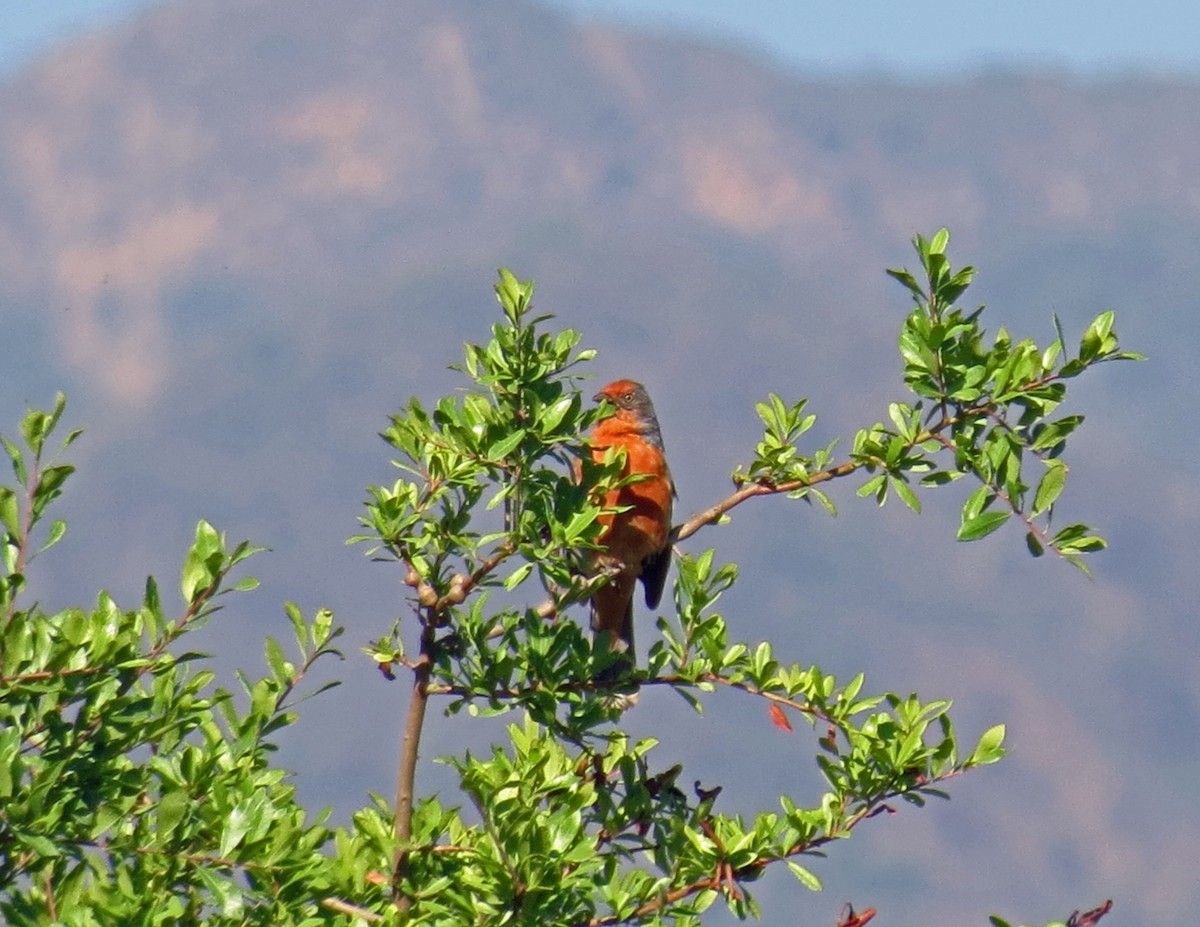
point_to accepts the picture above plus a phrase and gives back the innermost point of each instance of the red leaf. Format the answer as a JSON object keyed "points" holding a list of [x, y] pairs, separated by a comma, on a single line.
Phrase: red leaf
{"points": [[778, 718], [849, 918], [1089, 918]]}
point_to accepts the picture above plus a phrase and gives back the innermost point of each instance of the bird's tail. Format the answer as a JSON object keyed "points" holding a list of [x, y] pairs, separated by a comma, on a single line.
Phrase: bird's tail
{"points": [[612, 625], [618, 635]]}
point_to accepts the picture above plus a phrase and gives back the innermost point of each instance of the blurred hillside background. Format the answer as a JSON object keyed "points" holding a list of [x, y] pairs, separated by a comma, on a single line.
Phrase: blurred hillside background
{"points": [[239, 234]]}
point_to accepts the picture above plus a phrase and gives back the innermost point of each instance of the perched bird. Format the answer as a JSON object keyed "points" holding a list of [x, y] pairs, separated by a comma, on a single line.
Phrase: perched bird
{"points": [[637, 541]]}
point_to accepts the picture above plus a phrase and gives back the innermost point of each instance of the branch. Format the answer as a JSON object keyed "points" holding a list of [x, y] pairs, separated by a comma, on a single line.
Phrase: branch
{"points": [[407, 772], [344, 907], [767, 487], [461, 585], [489, 826], [42, 675], [760, 488], [1028, 520], [670, 680], [750, 689], [716, 880], [148, 662]]}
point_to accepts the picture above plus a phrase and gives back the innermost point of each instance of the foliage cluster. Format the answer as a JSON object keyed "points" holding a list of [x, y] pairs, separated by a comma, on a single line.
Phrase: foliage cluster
{"points": [[133, 789]]}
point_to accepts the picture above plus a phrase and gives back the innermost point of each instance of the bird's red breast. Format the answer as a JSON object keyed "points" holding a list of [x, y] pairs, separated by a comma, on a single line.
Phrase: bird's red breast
{"points": [[636, 541]]}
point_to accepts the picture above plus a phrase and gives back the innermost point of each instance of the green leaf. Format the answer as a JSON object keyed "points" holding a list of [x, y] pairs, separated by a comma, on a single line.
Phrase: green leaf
{"points": [[1051, 486], [972, 529], [60, 403], [201, 566], [170, 811], [900, 414], [509, 288], [552, 417], [1058, 330], [1083, 545], [514, 295], [1096, 336], [976, 502], [58, 528], [876, 486], [825, 501], [990, 747], [1053, 434], [50, 483], [1050, 355], [10, 512], [1072, 368], [1076, 538], [277, 660], [940, 477], [322, 627], [17, 458], [152, 603], [208, 540], [41, 846], [505, 446], [906, 494], [808, 879], [517, 576], [33, 430], [579, 523], [244, 550], [237, 825], [908, 281], [295, 617]]}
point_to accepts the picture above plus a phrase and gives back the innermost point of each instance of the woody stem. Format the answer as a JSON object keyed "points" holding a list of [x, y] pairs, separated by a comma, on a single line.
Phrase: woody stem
{"points": [[407, 772], [696, 522]]}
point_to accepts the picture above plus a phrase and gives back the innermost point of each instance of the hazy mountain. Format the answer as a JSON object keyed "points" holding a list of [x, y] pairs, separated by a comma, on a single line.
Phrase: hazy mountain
{"points": [[239, 233]]}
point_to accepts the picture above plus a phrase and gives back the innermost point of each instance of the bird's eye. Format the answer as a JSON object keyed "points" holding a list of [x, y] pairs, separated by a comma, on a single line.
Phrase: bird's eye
{"points": [[628, 397]]}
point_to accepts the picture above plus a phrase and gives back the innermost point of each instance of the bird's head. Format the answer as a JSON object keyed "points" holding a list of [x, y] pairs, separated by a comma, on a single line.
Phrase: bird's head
{"points": [[627, 396]]}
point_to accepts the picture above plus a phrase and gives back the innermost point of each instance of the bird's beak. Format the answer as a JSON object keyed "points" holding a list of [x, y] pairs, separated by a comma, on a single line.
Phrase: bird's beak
{"points": [[608, 408]]}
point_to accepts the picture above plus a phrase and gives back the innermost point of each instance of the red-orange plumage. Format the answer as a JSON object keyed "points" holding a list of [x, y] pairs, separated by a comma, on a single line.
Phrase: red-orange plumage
{"points": [[636, 541]]}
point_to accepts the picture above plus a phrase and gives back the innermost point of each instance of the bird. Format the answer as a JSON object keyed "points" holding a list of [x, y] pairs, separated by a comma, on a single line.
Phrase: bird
{"points": [[635, 543]]}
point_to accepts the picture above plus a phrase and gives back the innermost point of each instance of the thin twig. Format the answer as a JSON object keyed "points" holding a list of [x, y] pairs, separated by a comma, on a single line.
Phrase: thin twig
{"points": [[714, 881], [345, 907], [480, 573], [51, 903], [674, 681], [761, 488]]}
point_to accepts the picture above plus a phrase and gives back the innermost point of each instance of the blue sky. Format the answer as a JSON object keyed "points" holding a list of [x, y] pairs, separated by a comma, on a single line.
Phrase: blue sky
{"points": [[28, 27], [916, 36], [925, 36]]}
